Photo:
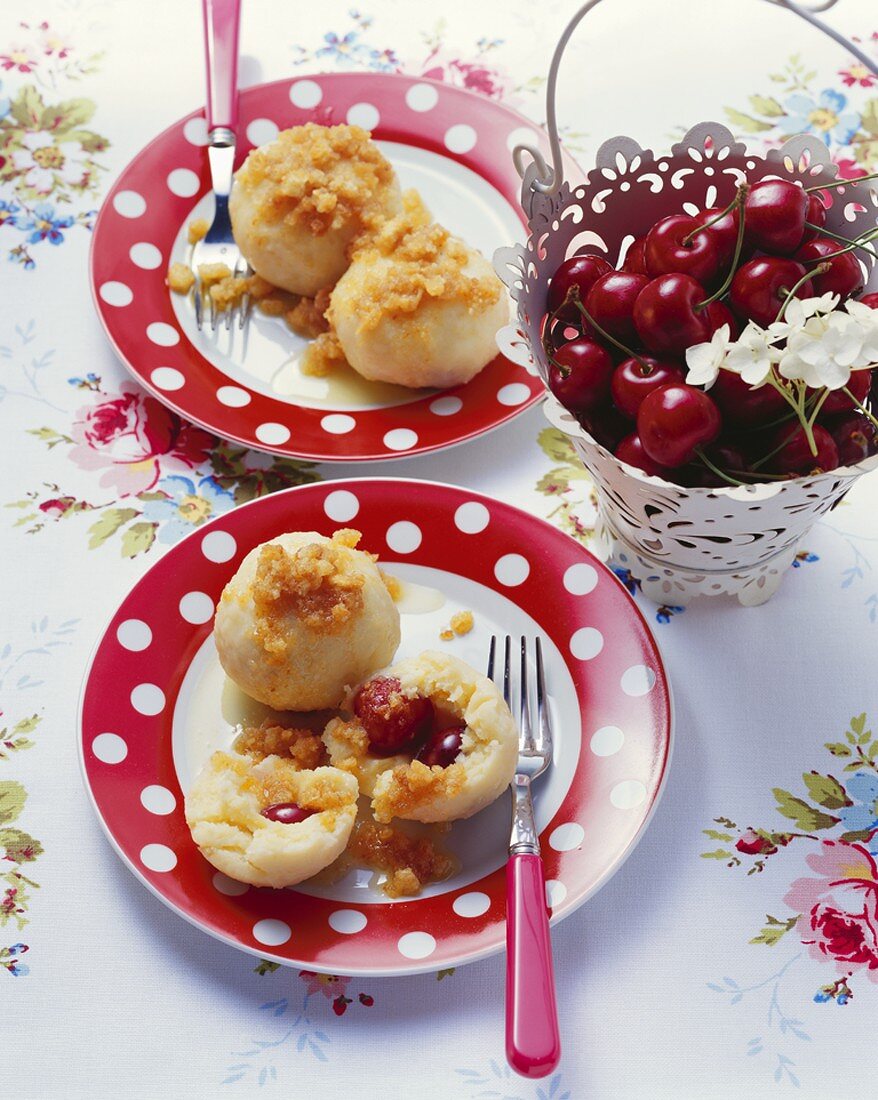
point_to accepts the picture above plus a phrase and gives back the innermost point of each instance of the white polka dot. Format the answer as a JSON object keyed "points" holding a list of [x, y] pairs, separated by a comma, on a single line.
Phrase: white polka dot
{"points": [[133, 634], [272, 434], [403, 537], [516, 393], [233, 396], [305, 94], [163, 335], [586, 643], [116, 294], [472, 517], [512, 570], [183, 182], [607, 741], [522, 136], [365, 115], [628, 794], [338, 423], [472, 905], [158, 800], [556, 892], [341, 505], [347, 921], [196, 607], [129, 204], [422, 97], [638, 680], [145, 255], [271, 932], [567, 837], [195, 131], [167, 378], [446, 406], [109, 748], [580, 579], [261, 131], [229, 886], [416, 945], [400, 439], [460, 138], [158, 857], [218, 546], [148, 699]]}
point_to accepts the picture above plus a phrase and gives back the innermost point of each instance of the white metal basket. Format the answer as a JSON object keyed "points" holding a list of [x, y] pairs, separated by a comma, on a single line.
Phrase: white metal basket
{"points": [[677, 542]]}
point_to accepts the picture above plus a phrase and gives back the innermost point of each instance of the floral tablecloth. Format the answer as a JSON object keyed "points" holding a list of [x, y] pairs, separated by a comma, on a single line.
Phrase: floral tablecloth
{"points": [[736, 952]]}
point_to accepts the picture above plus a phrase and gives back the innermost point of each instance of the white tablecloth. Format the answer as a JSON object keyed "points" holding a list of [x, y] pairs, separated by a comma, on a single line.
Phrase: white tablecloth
{"points": [[662, 991]]}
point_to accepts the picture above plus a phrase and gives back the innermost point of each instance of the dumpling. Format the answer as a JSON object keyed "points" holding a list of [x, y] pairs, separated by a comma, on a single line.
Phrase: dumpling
{"points": [[431, 739], [299, 202], [304, 617]]}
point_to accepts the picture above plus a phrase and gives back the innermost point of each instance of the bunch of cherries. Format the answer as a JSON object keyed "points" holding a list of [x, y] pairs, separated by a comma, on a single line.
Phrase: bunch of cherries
{"points": [[616, 341]]}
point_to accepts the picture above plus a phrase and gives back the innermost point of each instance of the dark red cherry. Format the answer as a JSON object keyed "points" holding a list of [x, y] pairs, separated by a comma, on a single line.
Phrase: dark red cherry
{"points": [[633, 379], [774, 216], [855, 436], [742, 405], [760, 287], [580, 375], [795, 455], [287, 813], [442, 747], [816, 216], [674, 245], [838, 401], [845, 275], [607, 425], [630, 450], [718, 314], [725, 231], [581, 272], [674, 421], [391, 720], [635, 260], [870, 300], [611, 303], [666, 316]]}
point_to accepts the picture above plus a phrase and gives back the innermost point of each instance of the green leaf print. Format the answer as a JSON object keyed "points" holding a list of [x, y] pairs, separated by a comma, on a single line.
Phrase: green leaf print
{"points": [[62, 117], [109, 523], [837, 748], [20, 846], [137, 539], [774, 930], [870, 116], [12, 800], [746, 123], [557, 446], [27, 108], [806, 817], [826, 791], [719, 853], [767, 106]]}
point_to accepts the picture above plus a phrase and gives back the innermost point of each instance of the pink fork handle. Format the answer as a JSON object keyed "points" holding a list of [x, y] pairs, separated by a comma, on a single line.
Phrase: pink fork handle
{"points": [[221, 21], [533, 1045]]}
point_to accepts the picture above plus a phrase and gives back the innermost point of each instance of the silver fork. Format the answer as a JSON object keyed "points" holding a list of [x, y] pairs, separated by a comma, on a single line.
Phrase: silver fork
{"points": [[221, 22], [533, 1045]]}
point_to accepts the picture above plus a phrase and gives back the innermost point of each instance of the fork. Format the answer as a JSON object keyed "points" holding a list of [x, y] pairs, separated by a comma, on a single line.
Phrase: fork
{"points": [[221, 22], [533, 1044]]}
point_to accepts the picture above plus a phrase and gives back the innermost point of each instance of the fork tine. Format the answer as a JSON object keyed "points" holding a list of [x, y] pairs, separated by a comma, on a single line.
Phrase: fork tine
{"points": [[199, 308], [507, 671], [214, 315], [491, 654], [527, 737], [544, 722]]}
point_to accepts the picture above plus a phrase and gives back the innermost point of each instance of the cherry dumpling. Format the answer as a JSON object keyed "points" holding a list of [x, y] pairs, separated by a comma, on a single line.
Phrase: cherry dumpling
{"points": [[304, 617], [429, 739], [299, 202]]}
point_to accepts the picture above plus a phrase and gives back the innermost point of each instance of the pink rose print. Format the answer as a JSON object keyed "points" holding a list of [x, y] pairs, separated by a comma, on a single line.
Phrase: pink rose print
{"points": [[475, 76], [839, 910], [133, 439]]}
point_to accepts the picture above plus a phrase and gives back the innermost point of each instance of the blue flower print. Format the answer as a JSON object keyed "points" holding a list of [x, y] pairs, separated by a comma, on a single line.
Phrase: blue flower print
{"points": [[5, 103], [823, 117], [186, 505], [862, 816], [44, 225], [8, 212]]}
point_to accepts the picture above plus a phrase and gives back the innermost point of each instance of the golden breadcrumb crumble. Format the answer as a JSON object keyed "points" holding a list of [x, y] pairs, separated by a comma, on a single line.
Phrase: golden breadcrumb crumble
{"points": [[409, 862], [197, 231], [412, 785], [393, 586], [322, 356], [461, 623], [213, 273], [307, 318], [323, 177], [316, 585], [303, 746], [180, 278]]}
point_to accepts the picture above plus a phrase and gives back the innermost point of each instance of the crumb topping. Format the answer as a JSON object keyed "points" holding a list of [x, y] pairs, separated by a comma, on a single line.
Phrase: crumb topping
{"points": [[461, 623], [412, 785], [304, 747], [197, 230], [180, 278], [323, 356], [213, 273], [393, 585], [307, 316], [323, 177], [409, 862], [316, 585]]}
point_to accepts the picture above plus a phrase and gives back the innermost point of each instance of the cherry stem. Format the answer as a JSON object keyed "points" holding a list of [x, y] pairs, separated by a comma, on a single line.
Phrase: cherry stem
{"points": [[807, 426], [771, 454], [824, 232], [842, 183], [712, 221], [783, 391], [603, 332], [791, 293], [860, 406], [871, 235], [740, 198], [818, 405], [719, 473]]}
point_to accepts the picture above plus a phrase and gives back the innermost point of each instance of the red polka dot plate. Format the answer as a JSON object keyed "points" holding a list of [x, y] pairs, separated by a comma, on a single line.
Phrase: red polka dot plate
{"points": [[453, 145], [156, 704]]}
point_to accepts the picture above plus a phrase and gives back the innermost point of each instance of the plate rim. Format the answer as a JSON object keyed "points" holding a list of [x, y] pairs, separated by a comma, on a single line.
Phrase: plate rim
{"points": [[411, 967], [283, 451]]}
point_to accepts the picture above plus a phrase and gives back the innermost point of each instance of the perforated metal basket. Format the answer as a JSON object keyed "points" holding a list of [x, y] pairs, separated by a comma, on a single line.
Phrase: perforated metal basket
{"points": [[677, 542]]}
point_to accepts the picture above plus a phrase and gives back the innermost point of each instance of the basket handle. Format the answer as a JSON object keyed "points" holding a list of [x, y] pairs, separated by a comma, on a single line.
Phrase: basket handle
{"points": [[548, 179]]}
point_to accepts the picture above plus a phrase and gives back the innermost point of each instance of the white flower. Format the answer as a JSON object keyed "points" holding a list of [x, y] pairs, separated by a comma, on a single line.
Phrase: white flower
{"points": [[798, 311], [752, 355], [823, 352], [867, 319], [705, 360], [42, 159]]}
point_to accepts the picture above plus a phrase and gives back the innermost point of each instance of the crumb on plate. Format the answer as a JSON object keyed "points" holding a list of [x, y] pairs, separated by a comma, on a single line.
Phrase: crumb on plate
{"points": [[180, 278], [461, 623], [198, 228], [322, 356]]}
